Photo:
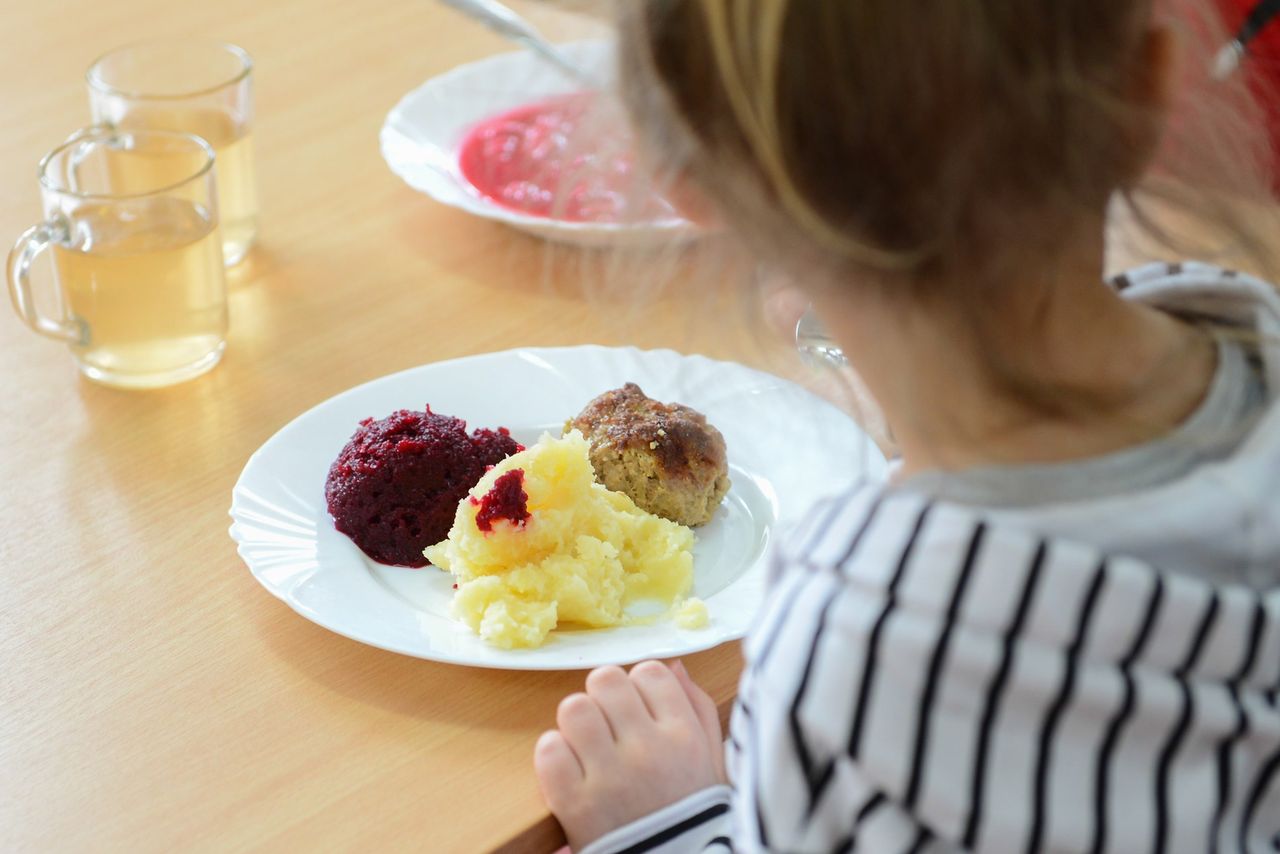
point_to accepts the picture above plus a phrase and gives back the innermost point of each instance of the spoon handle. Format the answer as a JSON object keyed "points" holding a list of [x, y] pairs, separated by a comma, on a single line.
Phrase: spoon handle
{"points": [[509, 25]]}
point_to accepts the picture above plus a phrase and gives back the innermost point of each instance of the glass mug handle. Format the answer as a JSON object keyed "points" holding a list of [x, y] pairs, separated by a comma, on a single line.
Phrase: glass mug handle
{"points": [[33, 241]]}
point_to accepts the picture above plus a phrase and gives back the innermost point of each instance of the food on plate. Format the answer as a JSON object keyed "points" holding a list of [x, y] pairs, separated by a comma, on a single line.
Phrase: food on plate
{"points": [[559, 158], [665, 456], [395, 486], [690, 614], [540, 544]]}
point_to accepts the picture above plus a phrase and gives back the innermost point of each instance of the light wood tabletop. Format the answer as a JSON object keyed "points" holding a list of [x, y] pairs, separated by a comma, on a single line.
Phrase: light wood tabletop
{"points": [[154, 697]]}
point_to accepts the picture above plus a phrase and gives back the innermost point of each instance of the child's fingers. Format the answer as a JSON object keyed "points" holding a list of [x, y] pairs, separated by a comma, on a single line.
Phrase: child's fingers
{"points": [[703, 706], [662, 692], [618, 699], [583, 726], [557, 768]]}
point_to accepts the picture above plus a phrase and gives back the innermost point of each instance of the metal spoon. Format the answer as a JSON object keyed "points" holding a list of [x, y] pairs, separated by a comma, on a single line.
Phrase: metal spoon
{"points": [[509, 25]]}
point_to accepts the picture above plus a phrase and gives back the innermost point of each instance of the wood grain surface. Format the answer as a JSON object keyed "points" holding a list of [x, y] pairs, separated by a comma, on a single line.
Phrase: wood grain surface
{"points": [[154, 697]]}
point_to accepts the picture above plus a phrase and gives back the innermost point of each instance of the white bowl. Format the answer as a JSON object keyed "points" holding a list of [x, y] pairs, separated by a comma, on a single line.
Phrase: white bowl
{"points": [[422, 133]]}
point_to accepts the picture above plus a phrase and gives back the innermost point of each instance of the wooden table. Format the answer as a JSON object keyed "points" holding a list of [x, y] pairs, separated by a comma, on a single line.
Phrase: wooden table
{"points": [[154, 697]]}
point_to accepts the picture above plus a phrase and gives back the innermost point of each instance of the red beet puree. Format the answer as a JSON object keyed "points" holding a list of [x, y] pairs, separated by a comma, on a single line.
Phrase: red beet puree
{"points": [[554, 159], [395, 487], [505, 500]]}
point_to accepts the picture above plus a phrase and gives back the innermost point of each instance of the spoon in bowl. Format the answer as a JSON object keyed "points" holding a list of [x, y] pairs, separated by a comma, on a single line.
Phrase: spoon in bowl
{"points": [[506, 23]]}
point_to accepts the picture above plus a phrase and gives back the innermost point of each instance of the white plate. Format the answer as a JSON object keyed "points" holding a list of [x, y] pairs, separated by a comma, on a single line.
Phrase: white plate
{"points": [[421, 135], [786, 449]]}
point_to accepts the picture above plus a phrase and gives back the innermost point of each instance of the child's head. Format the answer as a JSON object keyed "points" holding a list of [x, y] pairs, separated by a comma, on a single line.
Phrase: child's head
{"points": [[911, 140]]}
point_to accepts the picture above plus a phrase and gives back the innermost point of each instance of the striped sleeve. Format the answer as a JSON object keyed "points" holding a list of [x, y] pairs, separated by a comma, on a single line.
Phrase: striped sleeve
{"points": [[925, 681], [699, 822]]}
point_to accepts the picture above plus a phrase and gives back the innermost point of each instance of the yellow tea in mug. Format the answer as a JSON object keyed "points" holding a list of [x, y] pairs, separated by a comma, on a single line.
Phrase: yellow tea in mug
{"points": [[199, 87], [233, 169], [131, 223], [147, 286]]}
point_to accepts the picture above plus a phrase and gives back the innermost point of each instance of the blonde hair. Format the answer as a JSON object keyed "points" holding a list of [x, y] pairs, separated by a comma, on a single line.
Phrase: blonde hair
{"points": [[909, 140]]}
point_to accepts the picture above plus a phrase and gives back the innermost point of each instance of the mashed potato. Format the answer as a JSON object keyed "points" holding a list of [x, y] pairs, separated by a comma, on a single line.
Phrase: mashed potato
{"points": [[579, 556]]}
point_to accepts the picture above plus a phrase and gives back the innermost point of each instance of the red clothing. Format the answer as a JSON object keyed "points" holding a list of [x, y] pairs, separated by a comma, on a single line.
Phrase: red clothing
{"points": [[1262, 65]]}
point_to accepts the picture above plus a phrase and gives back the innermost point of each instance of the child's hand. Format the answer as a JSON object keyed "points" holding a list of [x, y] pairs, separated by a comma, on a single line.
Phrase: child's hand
{"points": [[632, 744]]}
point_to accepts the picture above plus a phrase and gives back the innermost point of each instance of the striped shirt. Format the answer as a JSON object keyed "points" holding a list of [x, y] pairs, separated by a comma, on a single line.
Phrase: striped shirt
{"points": [[931, 676]]}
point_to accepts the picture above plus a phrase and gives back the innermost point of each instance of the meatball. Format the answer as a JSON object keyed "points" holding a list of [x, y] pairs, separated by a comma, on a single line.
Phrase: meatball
{"points": [[664, 456], [396, 485]]}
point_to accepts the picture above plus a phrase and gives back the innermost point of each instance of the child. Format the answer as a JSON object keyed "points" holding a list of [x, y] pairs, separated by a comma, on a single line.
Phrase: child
{"points": [[1058, 627]]}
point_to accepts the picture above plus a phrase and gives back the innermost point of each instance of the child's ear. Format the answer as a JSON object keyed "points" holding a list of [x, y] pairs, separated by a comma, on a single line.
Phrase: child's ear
{"points": [[1151, 95], [1160, 69]]}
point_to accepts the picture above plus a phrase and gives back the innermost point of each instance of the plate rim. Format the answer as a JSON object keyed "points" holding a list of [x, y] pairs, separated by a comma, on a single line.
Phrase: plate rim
{"points": [[711, 635]]}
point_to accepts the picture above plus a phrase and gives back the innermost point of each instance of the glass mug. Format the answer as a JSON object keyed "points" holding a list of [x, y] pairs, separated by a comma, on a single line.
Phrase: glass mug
{"points": [[131, 221], [197, 87]]}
